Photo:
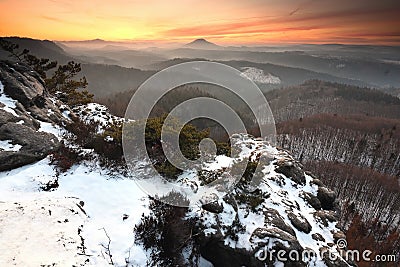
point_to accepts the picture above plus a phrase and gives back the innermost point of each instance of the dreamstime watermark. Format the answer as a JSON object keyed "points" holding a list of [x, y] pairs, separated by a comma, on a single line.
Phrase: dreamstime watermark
{"points": [[156, 87], [349, 255]]}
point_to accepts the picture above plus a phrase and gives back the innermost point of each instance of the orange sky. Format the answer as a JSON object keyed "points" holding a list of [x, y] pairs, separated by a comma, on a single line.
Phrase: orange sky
{"points": [[221, 21]]}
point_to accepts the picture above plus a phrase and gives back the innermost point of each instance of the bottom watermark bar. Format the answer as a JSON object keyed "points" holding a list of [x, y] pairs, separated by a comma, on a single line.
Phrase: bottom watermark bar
{"points": [[308, 255]]}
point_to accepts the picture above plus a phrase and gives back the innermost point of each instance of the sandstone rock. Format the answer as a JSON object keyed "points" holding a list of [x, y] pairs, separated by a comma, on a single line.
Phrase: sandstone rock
{"points": [[318, 237], [312, 200], [317, 182], [273, 218], [338, 235], [327, 198], [21, 84], [291, 170], [273, 232], [299, 222], [225, 256], [213, 207], [332, 260], [326, 216], [25, 86], [6, 116], [35, 145]]}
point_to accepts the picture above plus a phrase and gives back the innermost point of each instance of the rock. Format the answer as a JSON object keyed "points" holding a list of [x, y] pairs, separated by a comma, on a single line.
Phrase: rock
{"points": [[229, 199], [25, 86], [10, 160], [291, 170], [261, 234], [331, 259], [311, 199], [6, 116], [318, 237], [213, 207], [273, 218], [338, 235], [327, 198], [326, 216], [317, 182], [273, 232], [22, 84], [224, 256], [299, 222], [35, 145]]}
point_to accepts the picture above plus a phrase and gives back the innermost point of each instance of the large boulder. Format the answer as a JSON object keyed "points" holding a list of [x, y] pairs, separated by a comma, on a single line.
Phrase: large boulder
{"points": [[273, 218], [34, 145], [299, 222], [291, 169], [24, 106], [327, 198], [26, 88], [311, 199]]}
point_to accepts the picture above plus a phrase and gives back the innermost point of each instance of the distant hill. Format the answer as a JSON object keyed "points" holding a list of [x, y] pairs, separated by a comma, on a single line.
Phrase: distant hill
{"points": [[103, 79], [316, 97], [288, 76], [202, 44], [39, 48], [378, 70]]}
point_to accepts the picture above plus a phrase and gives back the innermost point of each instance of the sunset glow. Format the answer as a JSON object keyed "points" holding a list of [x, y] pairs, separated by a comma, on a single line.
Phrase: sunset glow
{"points": [[225, 22]]}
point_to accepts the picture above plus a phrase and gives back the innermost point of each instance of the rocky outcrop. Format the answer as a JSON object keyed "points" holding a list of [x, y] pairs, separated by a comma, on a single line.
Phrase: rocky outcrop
{"points": [[25, 107], [35, 145], [292, 170], [327, 198], [292, 212]]}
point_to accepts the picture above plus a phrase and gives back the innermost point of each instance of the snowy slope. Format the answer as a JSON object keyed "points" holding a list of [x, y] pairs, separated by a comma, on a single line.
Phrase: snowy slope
{"points": [[284, 196], [258, 76], [89, 215], [106, 202], [100, 202]]}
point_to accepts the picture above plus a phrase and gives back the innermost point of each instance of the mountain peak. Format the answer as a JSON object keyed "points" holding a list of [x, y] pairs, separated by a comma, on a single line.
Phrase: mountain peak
{"points": [[202, 43]]}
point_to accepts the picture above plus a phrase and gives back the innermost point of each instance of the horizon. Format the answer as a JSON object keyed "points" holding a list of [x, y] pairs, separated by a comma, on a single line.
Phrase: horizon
{"points": [[166, 44], [254, 22]]}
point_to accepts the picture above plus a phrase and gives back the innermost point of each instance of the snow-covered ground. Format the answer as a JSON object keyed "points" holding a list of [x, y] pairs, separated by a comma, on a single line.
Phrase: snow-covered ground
{"points": [[258, 76], [94, 112], [113, 204], [7, 103], [284, 197], [103, 205]]}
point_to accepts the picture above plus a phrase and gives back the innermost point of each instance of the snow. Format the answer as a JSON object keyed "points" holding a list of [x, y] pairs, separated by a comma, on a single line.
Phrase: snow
{"points": [[91, 205], [94, 112], [284, 196], [9, 103], [53, 219], [258, 76], [51, 128], [106, 199], [221, 161], [6, 145]]}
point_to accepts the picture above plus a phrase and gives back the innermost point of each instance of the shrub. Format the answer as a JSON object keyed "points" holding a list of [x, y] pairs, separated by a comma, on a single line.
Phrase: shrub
{"points": [[166, 233], [65, 157], [189, 139]]}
